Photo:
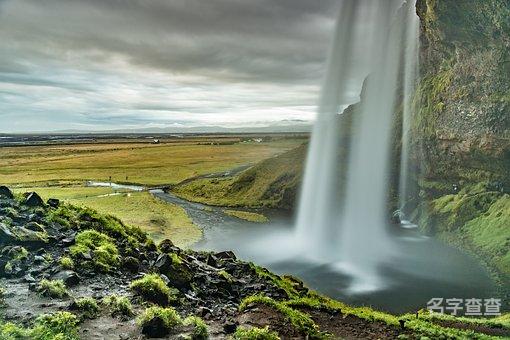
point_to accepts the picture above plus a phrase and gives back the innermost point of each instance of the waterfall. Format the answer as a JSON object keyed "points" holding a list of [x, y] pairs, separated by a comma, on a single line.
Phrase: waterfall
{"points": [[342, 214], [411, 56]]}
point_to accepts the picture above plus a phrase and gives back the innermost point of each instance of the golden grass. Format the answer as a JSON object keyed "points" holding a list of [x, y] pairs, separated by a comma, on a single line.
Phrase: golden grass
{"points": [[159, 219], [248, 216], [144, 163]]}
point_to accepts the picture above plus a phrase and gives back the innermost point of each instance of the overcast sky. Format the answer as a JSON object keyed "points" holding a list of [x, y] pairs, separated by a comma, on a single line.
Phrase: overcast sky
{"points": [[108, 64]]}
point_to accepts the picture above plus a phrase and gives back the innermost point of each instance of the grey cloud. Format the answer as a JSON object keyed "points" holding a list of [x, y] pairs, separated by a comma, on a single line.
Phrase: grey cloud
{"points": [[244, 40]]}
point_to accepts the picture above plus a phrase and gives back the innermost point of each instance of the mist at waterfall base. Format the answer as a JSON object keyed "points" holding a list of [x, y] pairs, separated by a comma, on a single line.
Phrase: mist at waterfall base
{"points": [[342, 243]]}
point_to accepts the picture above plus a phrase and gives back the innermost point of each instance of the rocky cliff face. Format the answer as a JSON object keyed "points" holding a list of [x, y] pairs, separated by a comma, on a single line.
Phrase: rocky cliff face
{"points": [[462, 127], [463, 124]]}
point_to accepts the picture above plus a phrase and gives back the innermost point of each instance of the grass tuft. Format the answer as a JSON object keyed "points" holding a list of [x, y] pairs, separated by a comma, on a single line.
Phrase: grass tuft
{"points": [[255, 333], [52, 288], [200, 331], [151, 287], [118, 305]]}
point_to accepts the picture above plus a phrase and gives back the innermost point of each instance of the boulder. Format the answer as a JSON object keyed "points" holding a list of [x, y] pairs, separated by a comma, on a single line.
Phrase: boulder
{"points": [[34, 226], [155, 328], [53, 202], [69, 277], [6, 192], [131, 264], [6, 235], [166, 246], [32, 199], [179, 274], [226, 255]]}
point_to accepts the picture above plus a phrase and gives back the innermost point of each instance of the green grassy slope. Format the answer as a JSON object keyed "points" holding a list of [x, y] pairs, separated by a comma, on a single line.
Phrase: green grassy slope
{"points": [[271, 183]]}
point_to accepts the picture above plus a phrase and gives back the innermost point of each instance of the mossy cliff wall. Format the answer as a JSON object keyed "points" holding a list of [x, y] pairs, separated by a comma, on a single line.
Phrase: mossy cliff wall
{"points": [[462, 127], [463, 123]]}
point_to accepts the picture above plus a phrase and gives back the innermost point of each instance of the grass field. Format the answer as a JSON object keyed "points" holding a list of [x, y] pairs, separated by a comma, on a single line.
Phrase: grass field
{"points": [[142, 163], [59, 171], [161, 220]]}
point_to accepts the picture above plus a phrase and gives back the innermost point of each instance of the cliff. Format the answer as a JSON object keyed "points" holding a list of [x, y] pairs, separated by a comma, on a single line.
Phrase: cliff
{"points": [[463, 120]]}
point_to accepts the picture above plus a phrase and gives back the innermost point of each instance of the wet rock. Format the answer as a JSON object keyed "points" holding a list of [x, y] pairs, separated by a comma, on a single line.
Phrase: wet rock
{"points": [[179, 274], [163, 263], [32, 199], [6, 235], [212, 261], [6, 192], [29, 278], [69, 277], [39, 259], [53, 202], [226, 255], [34, 226]]}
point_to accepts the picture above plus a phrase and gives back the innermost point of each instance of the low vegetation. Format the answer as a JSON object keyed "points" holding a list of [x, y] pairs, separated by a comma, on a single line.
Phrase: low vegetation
{"points": [[159, 219], [166, 320], [52, 288], [57, 326], [255, 333], [99, 247], [88, 307], [118, 305], [151, 287], [200, 331], [301, 321], [270, 183], [66, 262], [475, 219], [130, 162], [248, 216]]}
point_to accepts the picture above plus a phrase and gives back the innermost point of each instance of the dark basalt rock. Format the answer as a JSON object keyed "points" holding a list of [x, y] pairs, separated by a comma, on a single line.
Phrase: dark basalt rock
{"points": [[167, 246], [32, 199], [34, 226], [6, 192], [155, 328], [226, 255], [6, 235], [69, 277], [53, 202]]}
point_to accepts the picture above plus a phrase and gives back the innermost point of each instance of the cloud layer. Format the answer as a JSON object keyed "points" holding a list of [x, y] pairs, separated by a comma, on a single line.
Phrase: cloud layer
{"points": [[100, 64]]}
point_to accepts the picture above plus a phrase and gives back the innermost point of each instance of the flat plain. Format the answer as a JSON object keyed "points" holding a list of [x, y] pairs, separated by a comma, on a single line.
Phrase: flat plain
{"points": [[62, 170]]}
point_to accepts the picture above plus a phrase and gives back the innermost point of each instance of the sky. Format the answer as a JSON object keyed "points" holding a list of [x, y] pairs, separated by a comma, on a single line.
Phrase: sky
{"points": [[112, 64]]}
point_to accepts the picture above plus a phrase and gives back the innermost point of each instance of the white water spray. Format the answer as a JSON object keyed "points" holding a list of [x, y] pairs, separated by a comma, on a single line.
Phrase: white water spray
{"points": [[343, 207], [411, 55]]}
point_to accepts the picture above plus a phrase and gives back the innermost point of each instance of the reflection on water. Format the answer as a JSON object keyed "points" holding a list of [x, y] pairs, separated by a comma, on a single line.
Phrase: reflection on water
{"points": [[421, 268]]}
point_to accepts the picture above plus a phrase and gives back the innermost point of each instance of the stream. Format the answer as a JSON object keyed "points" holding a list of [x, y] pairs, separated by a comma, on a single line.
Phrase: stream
{"points": [[421, 268]]}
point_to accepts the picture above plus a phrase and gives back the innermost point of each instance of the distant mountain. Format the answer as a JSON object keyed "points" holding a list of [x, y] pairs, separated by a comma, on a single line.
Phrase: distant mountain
{"points": [[280, 128]]}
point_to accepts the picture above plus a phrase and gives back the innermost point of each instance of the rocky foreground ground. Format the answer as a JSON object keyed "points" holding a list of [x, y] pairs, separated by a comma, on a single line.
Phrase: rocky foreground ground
{"points": [[71, 273]]}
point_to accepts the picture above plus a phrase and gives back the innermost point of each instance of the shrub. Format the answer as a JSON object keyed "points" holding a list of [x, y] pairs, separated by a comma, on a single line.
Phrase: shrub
{"points": [[158, 321], [11, 331], [61, 326], [255, 334], [52, 288], [200, 331], [18, 253], [104, 252], [66, 262], [151, 287], [88, 306], [118, 305]]}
